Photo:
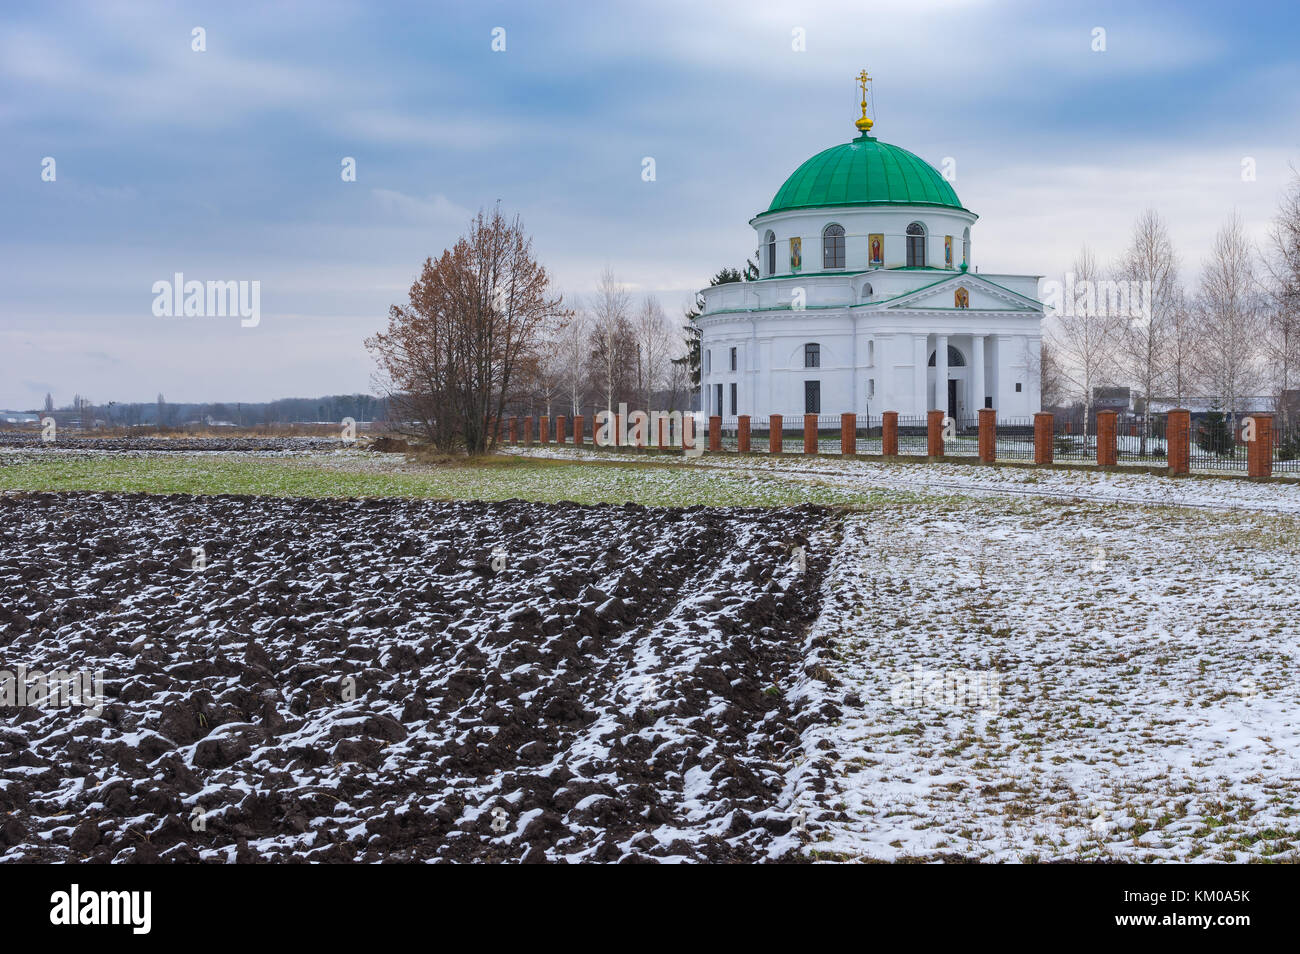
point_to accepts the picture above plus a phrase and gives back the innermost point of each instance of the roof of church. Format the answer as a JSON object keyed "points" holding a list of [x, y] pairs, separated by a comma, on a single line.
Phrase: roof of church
{"points": [[864, 171]]}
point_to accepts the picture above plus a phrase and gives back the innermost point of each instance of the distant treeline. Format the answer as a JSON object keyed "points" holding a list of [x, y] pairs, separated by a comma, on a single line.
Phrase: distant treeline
{"points": [[162, 413]]}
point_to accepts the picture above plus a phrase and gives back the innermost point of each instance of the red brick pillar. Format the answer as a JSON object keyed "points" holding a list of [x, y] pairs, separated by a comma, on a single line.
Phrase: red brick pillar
{"points": [[889, 434], [662, 437], [1178, 441], [544, 429], [774, 434], [618, 431], [1106, 456], [810, 433], [514, 430], [742, 433], [1043, 422], [715, 433], [577, 430], [848, 434], [1259, 452], [559, 428], [528, 430], [988, 435], [934, 433]]}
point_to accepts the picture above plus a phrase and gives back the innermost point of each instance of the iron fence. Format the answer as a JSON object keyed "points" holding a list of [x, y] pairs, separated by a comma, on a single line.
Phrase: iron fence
{"points": [[913, 436], [1143, 442], [1216, 445], [1015, 439], [1072, 441]]}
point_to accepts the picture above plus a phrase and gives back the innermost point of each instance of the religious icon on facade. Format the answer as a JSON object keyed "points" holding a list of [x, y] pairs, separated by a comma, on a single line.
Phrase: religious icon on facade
{"points": [[947, 251], [876, 245], [961, 298], [796, 253]]}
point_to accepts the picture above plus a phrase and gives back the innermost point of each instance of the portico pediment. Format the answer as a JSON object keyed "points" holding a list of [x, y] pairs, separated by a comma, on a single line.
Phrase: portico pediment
{"points": [[962, 292]]}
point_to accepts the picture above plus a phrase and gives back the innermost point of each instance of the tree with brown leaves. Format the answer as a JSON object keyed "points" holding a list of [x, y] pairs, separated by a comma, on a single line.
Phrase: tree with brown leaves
{"points": [[450, 357]]}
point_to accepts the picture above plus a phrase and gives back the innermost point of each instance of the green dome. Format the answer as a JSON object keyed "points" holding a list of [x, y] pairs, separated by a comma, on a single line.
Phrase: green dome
{"points": [[865, 171]]}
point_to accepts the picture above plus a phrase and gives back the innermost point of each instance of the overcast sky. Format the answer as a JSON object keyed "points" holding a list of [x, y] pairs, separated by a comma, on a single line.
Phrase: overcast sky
{"points": [[225, 164]]}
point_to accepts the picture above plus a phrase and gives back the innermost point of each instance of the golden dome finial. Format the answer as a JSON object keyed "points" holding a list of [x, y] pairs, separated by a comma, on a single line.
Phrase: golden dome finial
{"points": [[864, 124]]}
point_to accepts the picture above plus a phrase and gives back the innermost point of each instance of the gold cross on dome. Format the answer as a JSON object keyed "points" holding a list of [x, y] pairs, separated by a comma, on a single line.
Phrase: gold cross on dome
{"points": [[864, 124]]}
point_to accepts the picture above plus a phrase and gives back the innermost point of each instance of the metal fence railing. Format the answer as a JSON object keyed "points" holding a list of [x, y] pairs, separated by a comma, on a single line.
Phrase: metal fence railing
{"points": [[913, 436], [1015, 439], [1143, 443], [1073, 442], [1215, 445]]}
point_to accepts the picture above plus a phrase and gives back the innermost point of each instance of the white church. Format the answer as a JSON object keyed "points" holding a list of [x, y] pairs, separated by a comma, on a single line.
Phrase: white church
{"points": [[867, 301]]}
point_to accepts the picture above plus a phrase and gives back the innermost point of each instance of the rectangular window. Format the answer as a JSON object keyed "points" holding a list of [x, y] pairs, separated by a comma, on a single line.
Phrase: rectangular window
{"points": [[812, 356], [1017, 387], [812, 397], [708, 361], [717, 399], [733, 359], [733, 398], [871, 387]]}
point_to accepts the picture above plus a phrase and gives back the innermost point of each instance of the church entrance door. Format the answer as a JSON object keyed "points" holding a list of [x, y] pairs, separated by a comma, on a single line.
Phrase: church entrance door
{"points": [[952, 398]]}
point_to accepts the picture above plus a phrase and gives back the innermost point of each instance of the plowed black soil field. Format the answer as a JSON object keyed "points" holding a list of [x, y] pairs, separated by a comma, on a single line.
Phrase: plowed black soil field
{"points": [[392, 680]]}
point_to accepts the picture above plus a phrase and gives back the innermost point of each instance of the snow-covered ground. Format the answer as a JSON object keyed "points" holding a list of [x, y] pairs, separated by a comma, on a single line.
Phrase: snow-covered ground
{"points": [[1052, 664], [1223, 493], [1057, 681]]}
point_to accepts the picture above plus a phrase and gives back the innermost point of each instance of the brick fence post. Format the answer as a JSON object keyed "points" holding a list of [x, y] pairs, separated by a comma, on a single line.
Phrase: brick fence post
{"points": [[934, 433], [848, 435], [1043, 421], [514, 430], [1178, 441], [1259, 452], [988, 443], [810, 433], [1106, 456], [661, 440], [559, 428], [715, 432], [578, 423], [774, 434], [742, 433], [889, 433], [544, 429], [528, 430]]}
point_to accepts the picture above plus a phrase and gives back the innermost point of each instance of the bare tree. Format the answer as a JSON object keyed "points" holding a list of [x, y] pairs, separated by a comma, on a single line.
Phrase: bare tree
{"points": [[450, 357], [1229, 319], [1282, 340], [614, 345], [1052, 382], [1144, 338], [652, 344], [574, 345], [1086, 336]]}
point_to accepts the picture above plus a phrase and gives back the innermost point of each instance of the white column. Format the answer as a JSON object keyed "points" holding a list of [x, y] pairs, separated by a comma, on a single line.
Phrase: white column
{"points": [[919, 357], [977, 372], [940, 373]]}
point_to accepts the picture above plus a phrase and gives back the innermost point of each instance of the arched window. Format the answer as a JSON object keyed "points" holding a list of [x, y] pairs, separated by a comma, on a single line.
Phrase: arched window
{"points": [[955, 359], [833, 246], [965, 247], [770, 241], [916, 245], [812, 356], [866, 291]]}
